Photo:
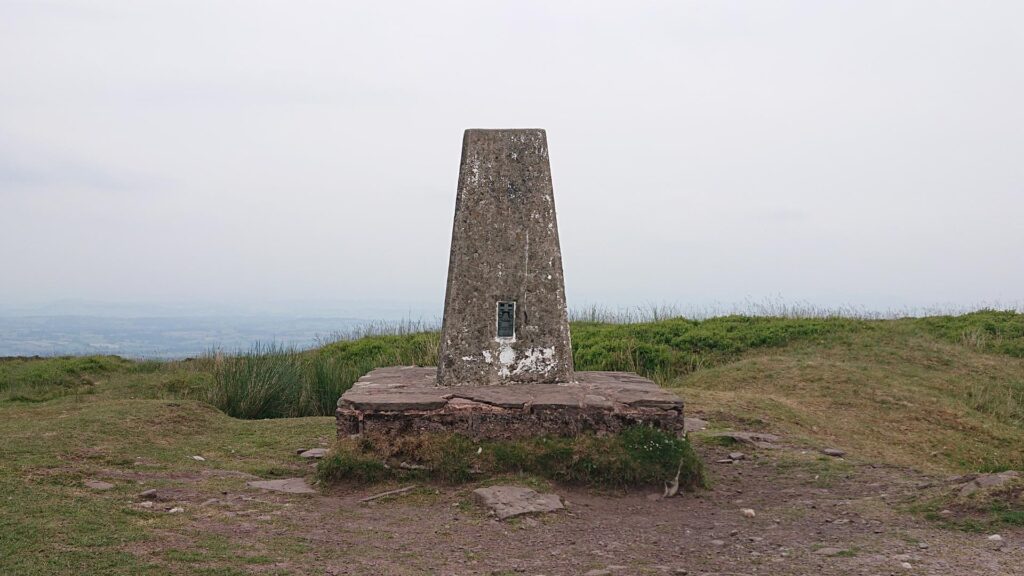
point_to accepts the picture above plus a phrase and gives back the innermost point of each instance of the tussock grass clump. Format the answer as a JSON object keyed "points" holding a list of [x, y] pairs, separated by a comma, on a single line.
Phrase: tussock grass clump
{"points": [[264, 382], [270, 381], [639, 456]]}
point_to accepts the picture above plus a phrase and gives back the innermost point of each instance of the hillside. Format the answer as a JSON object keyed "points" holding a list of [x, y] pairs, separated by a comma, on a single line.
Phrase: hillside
{"points": [[932, 396]]}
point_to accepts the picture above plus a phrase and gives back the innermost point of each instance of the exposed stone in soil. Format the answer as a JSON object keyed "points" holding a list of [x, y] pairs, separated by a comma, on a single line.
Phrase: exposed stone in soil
{"points": [[287, 485], [511, 501]]}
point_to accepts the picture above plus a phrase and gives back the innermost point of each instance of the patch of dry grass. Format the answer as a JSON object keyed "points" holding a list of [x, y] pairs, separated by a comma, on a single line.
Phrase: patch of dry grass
{"points": [[896, 397]]}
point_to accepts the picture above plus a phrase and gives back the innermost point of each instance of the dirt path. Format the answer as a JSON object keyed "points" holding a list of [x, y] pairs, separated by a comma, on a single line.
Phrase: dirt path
{"points": [[813, 516]]}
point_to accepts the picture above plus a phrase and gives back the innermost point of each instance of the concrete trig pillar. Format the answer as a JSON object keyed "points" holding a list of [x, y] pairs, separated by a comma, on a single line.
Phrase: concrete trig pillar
{"points": [[505, 318]]}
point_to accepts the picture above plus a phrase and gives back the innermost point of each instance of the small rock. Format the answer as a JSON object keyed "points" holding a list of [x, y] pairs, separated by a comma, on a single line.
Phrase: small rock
{"points": [[734, 532], [510, 501], [148, 494], [176, 510], [314, 453], [98, 485], [829, 551], [210, 502], [146, 504], [725, 461], [199, 459], [946, 513], [834, 452], [718, 542], [922, 546], [906, 565], [737, 455], [286, 485], [748, 512], [995, 538]]}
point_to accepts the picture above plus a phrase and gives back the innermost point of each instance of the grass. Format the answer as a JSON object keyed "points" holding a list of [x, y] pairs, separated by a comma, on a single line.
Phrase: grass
{"points": [[639, 456], [50, 523], [906, 392], [942, 394]]}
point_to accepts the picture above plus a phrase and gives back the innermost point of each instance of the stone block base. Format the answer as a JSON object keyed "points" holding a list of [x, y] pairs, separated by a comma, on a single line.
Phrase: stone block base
{"points": [[406, 400]]}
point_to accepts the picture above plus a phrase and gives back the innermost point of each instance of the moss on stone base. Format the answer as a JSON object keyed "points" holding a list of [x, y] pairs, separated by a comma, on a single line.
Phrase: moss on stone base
{"points": [[638, 456]]}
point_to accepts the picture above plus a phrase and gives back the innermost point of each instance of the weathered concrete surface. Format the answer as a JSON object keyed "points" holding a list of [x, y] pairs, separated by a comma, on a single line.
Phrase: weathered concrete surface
{"points": [[511, 501], [505, 249], [405, 399]]}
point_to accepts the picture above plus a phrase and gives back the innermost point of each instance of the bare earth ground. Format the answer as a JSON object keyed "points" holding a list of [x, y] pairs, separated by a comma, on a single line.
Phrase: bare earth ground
{"points": [[805, 505]]}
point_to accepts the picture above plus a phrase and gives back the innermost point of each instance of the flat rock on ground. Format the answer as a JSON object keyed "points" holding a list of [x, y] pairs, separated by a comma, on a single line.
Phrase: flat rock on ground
{"points": [[988, 481], [759, 439], [98, 485], [509, 501], [694, 424], [287, 485]]}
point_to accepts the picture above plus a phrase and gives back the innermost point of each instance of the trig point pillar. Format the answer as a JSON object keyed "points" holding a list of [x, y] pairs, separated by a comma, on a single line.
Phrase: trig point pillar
{"points": [[505, 366], [505, 319]]}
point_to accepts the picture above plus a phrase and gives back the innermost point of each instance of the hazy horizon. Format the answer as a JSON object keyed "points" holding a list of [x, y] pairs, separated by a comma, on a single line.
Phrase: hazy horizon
{"points": [[239, 156]]}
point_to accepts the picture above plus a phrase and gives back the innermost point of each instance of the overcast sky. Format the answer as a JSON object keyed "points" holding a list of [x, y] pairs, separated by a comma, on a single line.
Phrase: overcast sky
{"points": [[861, 153]]}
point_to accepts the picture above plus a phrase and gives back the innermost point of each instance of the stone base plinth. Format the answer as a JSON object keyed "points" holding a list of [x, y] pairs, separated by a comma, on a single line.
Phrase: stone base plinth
{"points": [[407, 400]]}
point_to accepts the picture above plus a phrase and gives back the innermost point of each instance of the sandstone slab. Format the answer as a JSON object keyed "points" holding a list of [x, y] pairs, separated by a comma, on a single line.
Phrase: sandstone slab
{"points": [[695, 424], [286, 485], [759, 439], [404, 399], [511, 501]]}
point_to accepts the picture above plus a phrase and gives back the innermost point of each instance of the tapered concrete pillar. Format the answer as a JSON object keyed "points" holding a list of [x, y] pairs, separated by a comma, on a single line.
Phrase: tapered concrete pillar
{"points": [[505, 318]]}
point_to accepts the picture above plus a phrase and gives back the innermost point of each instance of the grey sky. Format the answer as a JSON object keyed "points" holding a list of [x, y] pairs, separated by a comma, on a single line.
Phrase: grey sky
{"points": [[865, 153]]}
